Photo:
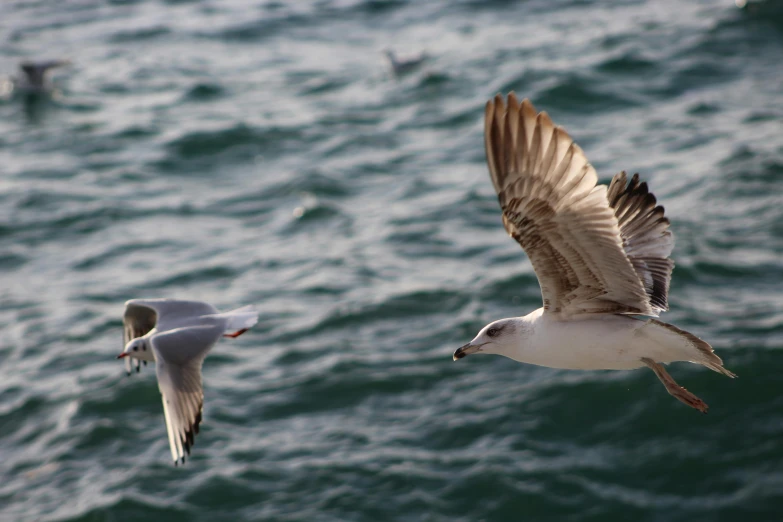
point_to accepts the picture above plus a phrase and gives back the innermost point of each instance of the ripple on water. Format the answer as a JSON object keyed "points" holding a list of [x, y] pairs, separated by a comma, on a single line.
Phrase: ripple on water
{"points": [[260, 29], [584, 95], [630, 63], [133, 509], [140, 34], [204, 92], [394, 308], [237, 143], [114, 251]]}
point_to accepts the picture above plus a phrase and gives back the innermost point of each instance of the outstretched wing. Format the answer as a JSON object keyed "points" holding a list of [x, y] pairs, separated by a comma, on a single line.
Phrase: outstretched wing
{"points": [[179, 354], [171, 312], [35, 72], [647, 240], [553, 208]]}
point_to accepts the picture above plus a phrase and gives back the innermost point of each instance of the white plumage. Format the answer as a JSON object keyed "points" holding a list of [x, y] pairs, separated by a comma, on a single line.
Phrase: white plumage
{"points": [[177, 335]]}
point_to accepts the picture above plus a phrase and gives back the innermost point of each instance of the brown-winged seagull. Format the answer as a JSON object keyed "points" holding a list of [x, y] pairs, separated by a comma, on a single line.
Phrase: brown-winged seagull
{"points": [[601, 256], [177, 335]]}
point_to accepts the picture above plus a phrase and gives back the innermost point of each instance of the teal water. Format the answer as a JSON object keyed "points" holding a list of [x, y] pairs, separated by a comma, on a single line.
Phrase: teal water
{"points": [[259, 152]]}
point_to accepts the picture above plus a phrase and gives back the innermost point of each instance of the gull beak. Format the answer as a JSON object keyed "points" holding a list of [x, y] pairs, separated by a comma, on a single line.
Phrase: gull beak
{"points": [[466, 350], [123, 354]]}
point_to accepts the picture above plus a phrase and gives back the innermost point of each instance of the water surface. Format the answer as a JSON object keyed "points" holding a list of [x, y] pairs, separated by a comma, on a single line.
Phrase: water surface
{"points": [[259, 152]]}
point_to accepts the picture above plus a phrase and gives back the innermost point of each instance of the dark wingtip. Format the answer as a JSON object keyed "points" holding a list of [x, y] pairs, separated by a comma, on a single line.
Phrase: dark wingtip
{"points": [[197, 423]]}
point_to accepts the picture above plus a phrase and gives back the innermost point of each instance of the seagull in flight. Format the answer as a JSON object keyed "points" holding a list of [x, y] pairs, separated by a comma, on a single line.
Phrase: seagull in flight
{"points": [[177, 335], [401, 65], [34, 77], [601, 255]]}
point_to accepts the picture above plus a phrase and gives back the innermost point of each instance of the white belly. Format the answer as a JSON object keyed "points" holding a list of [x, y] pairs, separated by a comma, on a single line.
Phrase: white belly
{"points": [[600, 343]]}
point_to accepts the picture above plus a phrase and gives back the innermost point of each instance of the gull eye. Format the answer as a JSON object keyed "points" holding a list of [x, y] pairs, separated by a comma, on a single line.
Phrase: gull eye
{"points": [[135, 347], [492, 332]]}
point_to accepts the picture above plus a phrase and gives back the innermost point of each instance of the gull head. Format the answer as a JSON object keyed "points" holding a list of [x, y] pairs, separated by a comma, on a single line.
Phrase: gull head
{"points": [[501, 337], [138, 348]]}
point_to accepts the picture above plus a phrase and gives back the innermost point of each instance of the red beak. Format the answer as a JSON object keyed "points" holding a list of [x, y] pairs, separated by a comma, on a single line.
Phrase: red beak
{"points": [[123, 354]]}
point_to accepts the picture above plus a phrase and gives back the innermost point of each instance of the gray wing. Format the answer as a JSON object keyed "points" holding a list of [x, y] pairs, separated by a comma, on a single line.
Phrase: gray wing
{"points": [[553, 208], [36, 71], [647, 240], [171, 312], [179, 354], [33, 72], [137, 321]]}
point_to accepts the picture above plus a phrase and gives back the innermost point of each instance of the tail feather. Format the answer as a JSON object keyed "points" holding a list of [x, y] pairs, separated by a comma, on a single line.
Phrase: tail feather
{"points": [[707, 357]]}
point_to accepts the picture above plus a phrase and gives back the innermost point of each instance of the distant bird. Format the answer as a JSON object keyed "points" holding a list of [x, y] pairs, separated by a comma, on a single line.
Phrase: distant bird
{"points": [[33, 77], [401, 65], [177, 335], [601, 257]]}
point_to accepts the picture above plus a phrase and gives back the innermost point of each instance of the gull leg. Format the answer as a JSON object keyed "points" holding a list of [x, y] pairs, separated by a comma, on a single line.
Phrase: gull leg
{"points": [[674, 389], [236, 334]]}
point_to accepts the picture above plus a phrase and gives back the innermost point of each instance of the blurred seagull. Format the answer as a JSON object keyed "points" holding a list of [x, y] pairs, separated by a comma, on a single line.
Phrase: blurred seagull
{"points": [[601, 256], [34, 77], [177, 335], [401, 65]]}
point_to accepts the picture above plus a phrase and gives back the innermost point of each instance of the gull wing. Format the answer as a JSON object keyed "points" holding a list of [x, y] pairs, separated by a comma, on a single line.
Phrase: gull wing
{"points": [[179, 354], [553, 208], [36, 71], [137, 321], [647, 240], [171, 313]]}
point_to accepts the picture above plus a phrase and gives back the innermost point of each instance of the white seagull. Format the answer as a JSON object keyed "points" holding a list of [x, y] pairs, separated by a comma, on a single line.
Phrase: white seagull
{"points": [[177, 335], [601, 257], [401, 65]]}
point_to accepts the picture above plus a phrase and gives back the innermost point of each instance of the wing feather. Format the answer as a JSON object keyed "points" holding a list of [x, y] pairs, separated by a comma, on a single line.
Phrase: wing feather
{"points": [[179, 354], [646, 237], [551, 205], [171, 429]]}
